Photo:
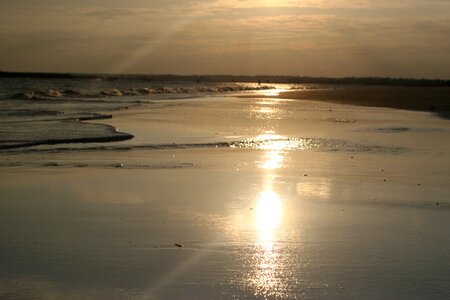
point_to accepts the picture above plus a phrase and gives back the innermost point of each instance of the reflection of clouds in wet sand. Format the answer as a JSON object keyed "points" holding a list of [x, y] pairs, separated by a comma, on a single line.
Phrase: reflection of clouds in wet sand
{"points": [[39, 287], [318, 189]]}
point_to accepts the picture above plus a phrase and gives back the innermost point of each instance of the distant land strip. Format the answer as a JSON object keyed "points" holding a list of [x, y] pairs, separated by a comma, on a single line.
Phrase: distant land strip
{"points": [[431, 99], [238, 78]]}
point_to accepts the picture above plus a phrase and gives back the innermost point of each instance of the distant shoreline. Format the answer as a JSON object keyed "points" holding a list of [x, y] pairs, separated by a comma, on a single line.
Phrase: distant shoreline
{"points": [[385, 81], [430, 99]]}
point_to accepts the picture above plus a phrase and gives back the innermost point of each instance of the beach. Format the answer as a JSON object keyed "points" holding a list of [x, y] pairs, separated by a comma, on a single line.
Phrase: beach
{"points": [[237, 149], [260, 194], [430, 99]]}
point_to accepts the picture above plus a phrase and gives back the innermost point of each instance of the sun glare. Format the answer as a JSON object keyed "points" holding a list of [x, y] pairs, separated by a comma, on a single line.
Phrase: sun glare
{"points": [[273, 160], [268, 217], [268, 212]]}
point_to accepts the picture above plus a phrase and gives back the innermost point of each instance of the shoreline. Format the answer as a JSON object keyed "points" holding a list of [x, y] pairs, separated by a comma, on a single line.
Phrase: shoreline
{"points": [[428, 99]]}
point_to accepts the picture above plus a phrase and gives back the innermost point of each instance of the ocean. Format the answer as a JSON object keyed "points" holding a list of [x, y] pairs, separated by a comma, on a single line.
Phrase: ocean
{"points": [[66, 114], [39, 111]]}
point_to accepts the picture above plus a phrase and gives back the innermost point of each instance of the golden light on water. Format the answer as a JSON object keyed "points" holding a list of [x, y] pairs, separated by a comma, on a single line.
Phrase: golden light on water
{"points": [[270, 141], [268, 217], [269, 135], [268, 266], [275, 92], [270, 259], [272, 92], [267, 276], [273, 160], [274, 144], [268, 213]]}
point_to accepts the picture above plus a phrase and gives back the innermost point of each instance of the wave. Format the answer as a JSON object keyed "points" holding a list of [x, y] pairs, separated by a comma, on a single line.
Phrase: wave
{"points": [[23, 134], [287, 144], [116, 92], [39, 94]]}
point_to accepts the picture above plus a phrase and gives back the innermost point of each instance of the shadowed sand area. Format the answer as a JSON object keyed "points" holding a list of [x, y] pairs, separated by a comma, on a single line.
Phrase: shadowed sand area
{"points": [[432, 99], [233, 198]]}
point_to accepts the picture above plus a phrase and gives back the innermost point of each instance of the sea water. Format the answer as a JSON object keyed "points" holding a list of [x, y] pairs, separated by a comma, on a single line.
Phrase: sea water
{"points": [[37, 111], [67, 114]]}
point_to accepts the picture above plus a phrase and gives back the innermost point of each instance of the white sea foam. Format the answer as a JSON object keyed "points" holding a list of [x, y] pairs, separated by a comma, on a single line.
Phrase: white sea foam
{"points": [[118, 92]]}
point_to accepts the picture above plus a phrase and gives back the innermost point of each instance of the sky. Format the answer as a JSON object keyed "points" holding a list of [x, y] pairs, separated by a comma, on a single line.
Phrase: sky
{"points": [[336, 38]]}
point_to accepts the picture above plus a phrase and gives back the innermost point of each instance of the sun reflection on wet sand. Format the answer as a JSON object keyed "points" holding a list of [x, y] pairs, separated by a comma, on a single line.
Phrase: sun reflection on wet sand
{"points": [[268, 213], [273, 92], [273, 160], [268, 216], [267, 277], [268, 108]]}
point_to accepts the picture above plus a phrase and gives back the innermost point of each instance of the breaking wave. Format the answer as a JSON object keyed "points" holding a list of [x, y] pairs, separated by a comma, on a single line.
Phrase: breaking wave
{"points": [[116, 92]]}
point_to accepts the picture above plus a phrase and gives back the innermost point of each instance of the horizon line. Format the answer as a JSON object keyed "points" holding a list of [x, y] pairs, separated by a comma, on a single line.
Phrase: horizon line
{"points": [[377, 77]]}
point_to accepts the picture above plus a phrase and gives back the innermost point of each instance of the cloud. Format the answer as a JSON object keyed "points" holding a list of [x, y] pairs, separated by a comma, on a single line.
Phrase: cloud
{"points": [[112, 13], [325, 4], [138, 36]]}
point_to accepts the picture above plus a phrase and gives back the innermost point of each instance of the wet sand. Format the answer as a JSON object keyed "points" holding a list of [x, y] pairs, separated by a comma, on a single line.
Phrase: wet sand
{"points": [[431, 99], [339, 202]]}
